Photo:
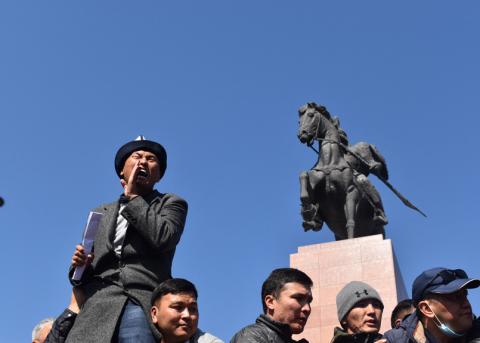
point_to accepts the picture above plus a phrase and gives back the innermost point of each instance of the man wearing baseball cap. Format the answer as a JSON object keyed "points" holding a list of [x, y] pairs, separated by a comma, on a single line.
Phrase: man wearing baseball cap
{"points": [[443, 313], [359, 310], [133, 251]]}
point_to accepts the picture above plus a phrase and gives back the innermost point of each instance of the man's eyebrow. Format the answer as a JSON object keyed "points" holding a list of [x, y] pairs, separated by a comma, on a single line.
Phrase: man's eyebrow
{"points": [[180, 302], [302, 295]]}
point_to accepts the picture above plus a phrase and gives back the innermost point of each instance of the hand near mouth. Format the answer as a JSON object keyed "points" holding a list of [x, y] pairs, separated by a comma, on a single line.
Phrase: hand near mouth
{"points": [[131, 188]]}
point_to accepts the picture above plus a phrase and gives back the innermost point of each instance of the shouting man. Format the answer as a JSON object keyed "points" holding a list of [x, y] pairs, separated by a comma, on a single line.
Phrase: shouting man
{"points": [[133, 251]]}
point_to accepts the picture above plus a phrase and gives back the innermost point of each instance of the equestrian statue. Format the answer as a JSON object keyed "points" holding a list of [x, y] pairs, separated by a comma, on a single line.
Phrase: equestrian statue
{"points": [[336, 190]]}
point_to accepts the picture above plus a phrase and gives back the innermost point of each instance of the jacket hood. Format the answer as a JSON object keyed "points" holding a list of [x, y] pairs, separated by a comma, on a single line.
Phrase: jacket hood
{"points": [[409, 323], [410, 330]]}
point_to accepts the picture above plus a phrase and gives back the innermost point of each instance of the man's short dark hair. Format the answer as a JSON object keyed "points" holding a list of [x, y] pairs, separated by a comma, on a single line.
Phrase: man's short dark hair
{"points": [[404, 305], [278, 278], [173, 286]]}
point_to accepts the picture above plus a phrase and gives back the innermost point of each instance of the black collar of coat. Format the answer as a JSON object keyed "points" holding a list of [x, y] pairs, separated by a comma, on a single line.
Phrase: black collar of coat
{"points": [[280, 328], [340, 335]]}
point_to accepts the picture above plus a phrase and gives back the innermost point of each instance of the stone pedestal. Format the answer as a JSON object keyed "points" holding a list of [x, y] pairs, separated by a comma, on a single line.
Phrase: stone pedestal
{"points": [[332, 265]]}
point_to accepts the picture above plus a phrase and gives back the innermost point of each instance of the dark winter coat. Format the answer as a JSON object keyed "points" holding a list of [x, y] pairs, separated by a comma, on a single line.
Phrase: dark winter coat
{"points": [[340, 336], [156, 223], [61, 327], [411, 331], [265, 330]]}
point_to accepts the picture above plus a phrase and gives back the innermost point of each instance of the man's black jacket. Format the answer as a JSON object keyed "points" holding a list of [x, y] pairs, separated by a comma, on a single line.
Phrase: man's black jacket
{"points": [[265, 330]]}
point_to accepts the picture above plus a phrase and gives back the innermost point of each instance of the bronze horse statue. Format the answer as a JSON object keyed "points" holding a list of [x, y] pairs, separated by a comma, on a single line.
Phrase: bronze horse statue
{"points": [[336, 190]]}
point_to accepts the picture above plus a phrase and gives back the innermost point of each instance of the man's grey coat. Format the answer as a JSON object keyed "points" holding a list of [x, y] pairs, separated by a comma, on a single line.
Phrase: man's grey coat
{"points": [[155, 225]]}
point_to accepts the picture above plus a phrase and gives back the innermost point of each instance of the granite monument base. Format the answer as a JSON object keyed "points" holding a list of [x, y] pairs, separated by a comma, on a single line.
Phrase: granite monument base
{"points": [[332, 265]]}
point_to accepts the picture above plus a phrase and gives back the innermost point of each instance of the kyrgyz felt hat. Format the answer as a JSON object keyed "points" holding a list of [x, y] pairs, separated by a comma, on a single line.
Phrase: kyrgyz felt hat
{"points": [[140, 143]]}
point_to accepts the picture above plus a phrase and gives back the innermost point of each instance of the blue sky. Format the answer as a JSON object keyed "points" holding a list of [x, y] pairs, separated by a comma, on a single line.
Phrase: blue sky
{"points": [[219, 84]]}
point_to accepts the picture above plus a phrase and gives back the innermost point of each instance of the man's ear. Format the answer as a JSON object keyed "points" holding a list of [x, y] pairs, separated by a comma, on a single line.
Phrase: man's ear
{"points": [[153, 314], [270, 302], [425, 308], [397, 323]]}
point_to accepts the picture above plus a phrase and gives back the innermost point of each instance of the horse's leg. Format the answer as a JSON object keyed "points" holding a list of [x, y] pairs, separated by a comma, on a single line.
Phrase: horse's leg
{"points": [[304, 187], [349, 208], [308, 210], [347, 194], [310, 215]]}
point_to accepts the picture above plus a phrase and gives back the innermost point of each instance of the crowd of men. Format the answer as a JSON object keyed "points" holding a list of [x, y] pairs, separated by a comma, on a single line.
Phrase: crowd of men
{"points": [[127, 293]]}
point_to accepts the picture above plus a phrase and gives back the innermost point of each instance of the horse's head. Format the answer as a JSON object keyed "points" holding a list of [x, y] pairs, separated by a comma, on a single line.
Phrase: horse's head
{"points": [[311, 123]]}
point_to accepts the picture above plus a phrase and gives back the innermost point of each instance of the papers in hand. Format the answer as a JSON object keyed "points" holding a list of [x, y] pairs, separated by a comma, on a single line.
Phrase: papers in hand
{"points": [[88, 238]]}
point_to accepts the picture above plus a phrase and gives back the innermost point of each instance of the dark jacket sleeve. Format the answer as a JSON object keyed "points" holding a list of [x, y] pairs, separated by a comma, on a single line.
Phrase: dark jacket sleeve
{"points": [[159, 223], [61, 327], [87, 275]]}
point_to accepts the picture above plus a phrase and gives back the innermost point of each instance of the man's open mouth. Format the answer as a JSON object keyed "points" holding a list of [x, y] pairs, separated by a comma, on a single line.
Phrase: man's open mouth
{"points": [[142, 173]]}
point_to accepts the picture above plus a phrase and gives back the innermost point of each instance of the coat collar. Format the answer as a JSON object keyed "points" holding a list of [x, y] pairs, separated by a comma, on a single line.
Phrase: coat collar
{"points": [[339, 334], [415, 330], [111, 213], [149, 198], [280, 328]]}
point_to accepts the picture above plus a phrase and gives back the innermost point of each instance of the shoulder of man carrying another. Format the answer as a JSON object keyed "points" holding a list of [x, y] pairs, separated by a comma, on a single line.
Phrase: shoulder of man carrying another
{"points": [[204, 337], [473, 335]]}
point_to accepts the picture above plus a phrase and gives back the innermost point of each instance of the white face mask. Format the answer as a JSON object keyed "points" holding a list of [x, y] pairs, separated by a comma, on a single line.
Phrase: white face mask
{"points": [[444, 327]]}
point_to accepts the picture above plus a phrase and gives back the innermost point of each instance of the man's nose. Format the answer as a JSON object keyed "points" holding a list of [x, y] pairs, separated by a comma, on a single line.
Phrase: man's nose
{"points": [[370, 308], [186, 313], [307, 308]]}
